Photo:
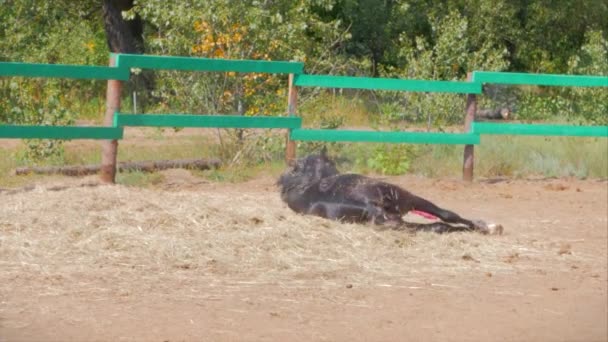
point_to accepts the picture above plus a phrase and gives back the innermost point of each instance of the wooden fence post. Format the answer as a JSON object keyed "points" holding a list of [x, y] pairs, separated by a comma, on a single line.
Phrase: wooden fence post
{"points": [[110, 147], [469, 152], [292, 105]]}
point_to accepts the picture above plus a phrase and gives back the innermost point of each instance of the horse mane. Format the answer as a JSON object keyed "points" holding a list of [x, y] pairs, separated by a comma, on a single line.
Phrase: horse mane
{"points": [[306, 172]]}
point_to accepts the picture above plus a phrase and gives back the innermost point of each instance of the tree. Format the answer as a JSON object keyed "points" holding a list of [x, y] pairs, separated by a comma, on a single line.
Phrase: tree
{"points": [[123, 35], [553, 30]]}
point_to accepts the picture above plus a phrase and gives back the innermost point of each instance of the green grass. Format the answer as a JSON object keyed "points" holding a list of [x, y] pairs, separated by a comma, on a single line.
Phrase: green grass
{"points": [[153, 145], [520, 156], [139, 179], [242, 173], [93, 110], [497, 156], [329, 110]]}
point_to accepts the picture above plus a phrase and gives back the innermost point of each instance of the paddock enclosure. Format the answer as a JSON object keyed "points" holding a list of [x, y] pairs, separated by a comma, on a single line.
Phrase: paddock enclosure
{"points": [[187, 259], [193, 260]]}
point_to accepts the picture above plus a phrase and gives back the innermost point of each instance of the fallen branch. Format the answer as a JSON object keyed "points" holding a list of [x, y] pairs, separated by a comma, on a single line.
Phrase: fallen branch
{"points": [[144, 166]]}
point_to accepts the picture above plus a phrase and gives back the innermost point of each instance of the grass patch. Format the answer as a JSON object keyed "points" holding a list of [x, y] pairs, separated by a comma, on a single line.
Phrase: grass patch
{"points": [[330, 111], [82, 152], [139, 179], [241, 173], [520, 156], [497, 156]]}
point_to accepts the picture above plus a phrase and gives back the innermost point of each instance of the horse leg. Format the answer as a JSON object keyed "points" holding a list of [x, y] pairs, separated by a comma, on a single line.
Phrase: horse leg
{"points": [[435, 227], [419, 203], [319, 209], [339, 211]]}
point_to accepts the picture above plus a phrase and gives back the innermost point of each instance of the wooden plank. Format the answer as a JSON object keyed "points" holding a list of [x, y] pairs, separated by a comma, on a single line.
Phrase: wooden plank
{"points": [[540, 79], [63, 71], [324, 81], [468, 160], [384, 137], [538, 129], [207, 64], [219, 121], [292, 109], [59, 132], [109, 148]]}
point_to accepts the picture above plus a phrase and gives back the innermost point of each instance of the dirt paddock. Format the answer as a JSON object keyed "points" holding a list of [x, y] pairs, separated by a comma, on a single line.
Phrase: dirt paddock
{"points": [[191, 260]]}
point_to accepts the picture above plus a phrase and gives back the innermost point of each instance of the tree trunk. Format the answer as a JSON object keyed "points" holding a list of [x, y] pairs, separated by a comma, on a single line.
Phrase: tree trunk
{"points": [[123, 36]]}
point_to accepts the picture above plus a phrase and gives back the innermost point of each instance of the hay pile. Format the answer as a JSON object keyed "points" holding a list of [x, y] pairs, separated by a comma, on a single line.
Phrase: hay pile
{"points": [[224, 236]]}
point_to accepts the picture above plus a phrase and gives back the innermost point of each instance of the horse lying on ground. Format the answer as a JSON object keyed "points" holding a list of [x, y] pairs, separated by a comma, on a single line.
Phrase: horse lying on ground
{"points": [[313, 186]]}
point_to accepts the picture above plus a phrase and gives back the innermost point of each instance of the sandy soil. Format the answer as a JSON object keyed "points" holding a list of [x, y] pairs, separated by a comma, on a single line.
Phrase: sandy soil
{"points": [[191, 260]]}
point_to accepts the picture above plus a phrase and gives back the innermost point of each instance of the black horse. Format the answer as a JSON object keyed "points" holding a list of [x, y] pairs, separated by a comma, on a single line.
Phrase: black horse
{"points": [[314, 186]]}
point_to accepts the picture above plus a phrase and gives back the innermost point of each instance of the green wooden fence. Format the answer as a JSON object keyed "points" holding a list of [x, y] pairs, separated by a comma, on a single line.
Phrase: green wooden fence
{"points": [[125, 62]]}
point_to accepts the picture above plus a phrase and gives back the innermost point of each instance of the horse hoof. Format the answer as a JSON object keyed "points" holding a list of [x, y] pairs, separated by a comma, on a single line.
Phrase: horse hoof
{"points": [[488, 228], [494, 229]]}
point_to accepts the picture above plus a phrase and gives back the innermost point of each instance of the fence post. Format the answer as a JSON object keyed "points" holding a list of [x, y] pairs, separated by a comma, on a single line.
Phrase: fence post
{"points": [[110, 147], [292, 105], [469, 152]]}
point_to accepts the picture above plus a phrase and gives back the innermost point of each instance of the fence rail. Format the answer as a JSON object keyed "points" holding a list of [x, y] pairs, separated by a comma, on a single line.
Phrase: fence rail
{"points": [[539, 79], [59, 132], [63, 71], [384, 137], [539, 129], [206, 64], [387, 84], [219, 121]]}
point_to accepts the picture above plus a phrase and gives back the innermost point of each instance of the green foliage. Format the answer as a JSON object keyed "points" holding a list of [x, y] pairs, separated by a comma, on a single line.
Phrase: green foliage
{"points": [[581, 105], [550, 31], [449, 58], [61, 31], [283, 30], [591, 59], [252, 148], [541, 106], [48, 32], [393, 159], [35, 103]]}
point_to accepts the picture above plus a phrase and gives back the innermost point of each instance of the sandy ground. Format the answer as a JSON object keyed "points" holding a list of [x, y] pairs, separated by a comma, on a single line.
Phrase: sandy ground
{"points": [[191, 260]]}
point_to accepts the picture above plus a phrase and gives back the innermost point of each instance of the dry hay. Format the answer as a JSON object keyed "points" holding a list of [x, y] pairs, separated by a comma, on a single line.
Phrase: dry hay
{"points": [[125, 239]]}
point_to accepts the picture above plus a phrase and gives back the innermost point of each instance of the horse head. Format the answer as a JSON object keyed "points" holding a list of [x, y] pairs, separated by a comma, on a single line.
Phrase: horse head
{"points": [[308, 170]]}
